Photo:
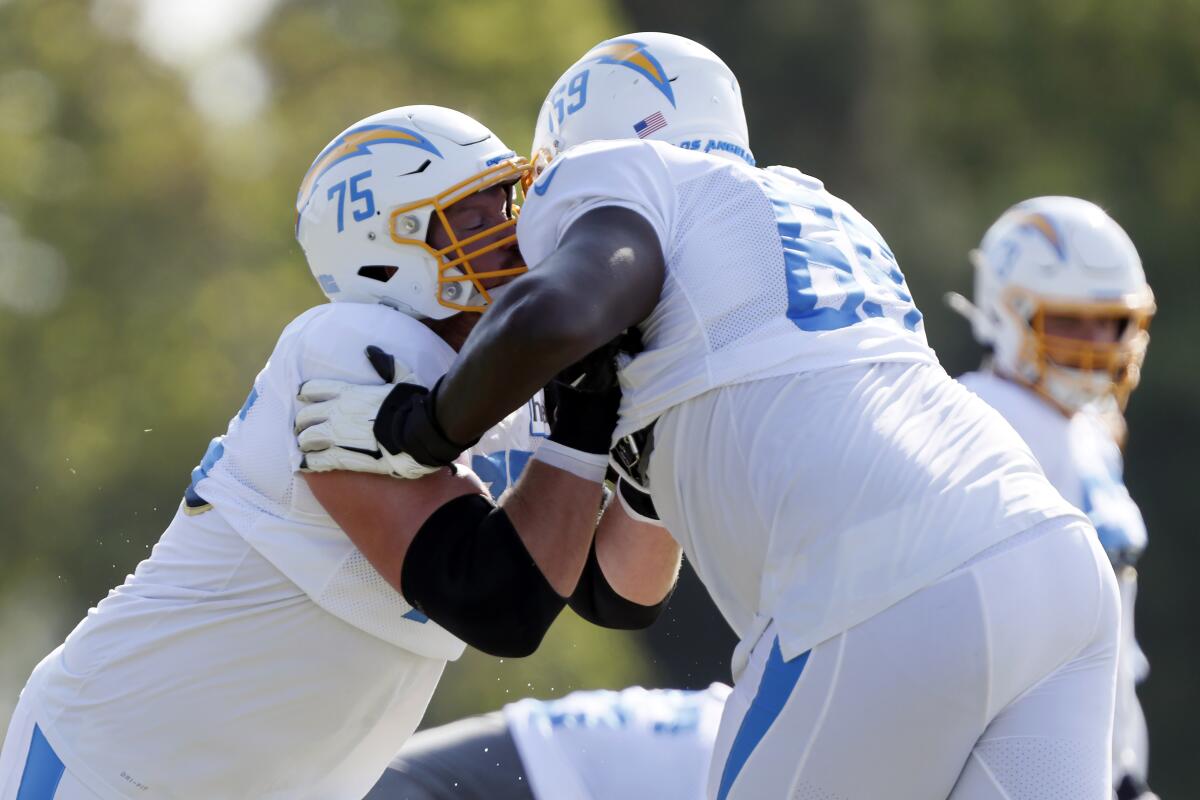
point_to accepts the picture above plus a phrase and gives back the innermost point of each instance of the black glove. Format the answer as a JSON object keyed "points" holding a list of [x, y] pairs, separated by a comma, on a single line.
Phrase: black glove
{"points": [[406, 422], [582, 400], [579, 419]]}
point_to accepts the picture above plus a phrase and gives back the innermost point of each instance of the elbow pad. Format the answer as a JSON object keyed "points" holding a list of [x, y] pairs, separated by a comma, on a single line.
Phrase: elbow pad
{"points": [[468, 570], [597, 602]]}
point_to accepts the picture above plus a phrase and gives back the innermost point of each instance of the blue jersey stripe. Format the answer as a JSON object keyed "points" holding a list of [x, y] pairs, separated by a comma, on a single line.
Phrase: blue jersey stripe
{"points": [[43, 770], [778, 680]]}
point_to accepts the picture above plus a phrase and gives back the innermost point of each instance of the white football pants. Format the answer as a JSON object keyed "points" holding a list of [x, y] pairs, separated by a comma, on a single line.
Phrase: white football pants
{"points": [[995, 683]]}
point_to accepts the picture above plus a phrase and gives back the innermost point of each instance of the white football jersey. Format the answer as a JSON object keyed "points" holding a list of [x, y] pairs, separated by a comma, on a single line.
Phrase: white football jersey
{"points": [[250, 475], [636, 744], [256, 653], [812, 458], [1079, 457], [766, 272], [820, 499]]}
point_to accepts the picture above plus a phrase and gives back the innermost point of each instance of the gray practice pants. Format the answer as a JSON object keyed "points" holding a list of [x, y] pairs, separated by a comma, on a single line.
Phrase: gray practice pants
{"points": [[472, 759]]}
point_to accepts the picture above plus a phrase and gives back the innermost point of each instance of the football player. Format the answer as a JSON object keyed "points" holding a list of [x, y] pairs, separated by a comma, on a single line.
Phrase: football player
{"points": [[635, 744], [287, 631], [1063, 306], [921, 614]]}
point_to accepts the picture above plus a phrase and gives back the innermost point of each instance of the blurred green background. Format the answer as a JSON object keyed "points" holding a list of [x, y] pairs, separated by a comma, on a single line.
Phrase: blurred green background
{"points": [[150, 152]]}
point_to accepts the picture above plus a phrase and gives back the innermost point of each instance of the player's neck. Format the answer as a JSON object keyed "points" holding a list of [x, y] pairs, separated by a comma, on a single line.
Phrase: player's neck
{"points": [[1034, 390], [453, 330]]}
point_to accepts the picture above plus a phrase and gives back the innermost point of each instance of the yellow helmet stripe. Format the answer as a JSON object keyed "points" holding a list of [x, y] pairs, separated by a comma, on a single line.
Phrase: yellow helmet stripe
{"points": [[1042, 224], [633, 54], [358, 142]]}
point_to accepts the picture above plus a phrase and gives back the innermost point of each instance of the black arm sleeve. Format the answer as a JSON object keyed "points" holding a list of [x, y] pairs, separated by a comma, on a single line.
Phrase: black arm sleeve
{"points": [[597, 602], [469, 571]]}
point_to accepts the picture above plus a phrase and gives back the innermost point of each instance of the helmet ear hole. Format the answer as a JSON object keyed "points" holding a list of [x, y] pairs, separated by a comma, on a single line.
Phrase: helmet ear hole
{"points": [[378, 272]]}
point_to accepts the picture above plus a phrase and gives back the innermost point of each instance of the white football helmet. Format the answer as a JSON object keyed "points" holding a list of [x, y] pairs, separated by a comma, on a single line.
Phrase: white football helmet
{"points": [[649, 86], [364, 208], [1061, 257]]}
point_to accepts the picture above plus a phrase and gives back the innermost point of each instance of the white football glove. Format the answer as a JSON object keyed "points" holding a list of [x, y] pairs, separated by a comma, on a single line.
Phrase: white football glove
{"points": [[335, 427]]}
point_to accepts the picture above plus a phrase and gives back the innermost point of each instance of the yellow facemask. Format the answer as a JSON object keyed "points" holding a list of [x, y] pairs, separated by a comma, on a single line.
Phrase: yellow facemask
{"points": [[1067, 360], [454, 264]]}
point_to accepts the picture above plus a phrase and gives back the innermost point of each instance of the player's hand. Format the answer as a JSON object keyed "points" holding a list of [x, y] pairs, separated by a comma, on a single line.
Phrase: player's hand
{"points": [[336, 422], [584, 399]]}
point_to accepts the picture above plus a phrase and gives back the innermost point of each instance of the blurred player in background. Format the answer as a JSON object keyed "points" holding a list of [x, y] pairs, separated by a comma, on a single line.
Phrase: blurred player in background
{"points": [[921, 614], [635, 744], [286, 634], [1062, 304]]}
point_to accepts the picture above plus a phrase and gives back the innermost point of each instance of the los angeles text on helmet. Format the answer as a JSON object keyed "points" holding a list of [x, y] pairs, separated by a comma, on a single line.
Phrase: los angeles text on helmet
{"points": [[719, 145]]}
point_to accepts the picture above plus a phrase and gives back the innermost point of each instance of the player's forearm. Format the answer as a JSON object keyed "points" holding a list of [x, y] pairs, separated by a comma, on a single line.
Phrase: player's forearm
{"points": [[533, 332], [640, 561], [606, 276], [554, 513]]}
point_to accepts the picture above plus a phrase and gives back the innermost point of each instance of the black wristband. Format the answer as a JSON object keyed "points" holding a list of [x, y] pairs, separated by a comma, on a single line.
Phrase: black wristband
{"points": [[406, 423], [583, 420]]}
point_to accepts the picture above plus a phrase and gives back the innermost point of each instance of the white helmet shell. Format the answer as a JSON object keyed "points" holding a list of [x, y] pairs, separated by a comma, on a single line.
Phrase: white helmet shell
{"points": [[1064, 257], [364, 207], [648, 86]]}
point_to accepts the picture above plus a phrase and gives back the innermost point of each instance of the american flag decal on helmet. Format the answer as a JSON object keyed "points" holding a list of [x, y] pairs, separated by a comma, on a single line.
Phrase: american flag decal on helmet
{"points": [[652, 123]]}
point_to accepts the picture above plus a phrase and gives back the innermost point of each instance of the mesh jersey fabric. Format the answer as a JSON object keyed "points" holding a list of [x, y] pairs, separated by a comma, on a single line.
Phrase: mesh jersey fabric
{"points": [[766, 272]]}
